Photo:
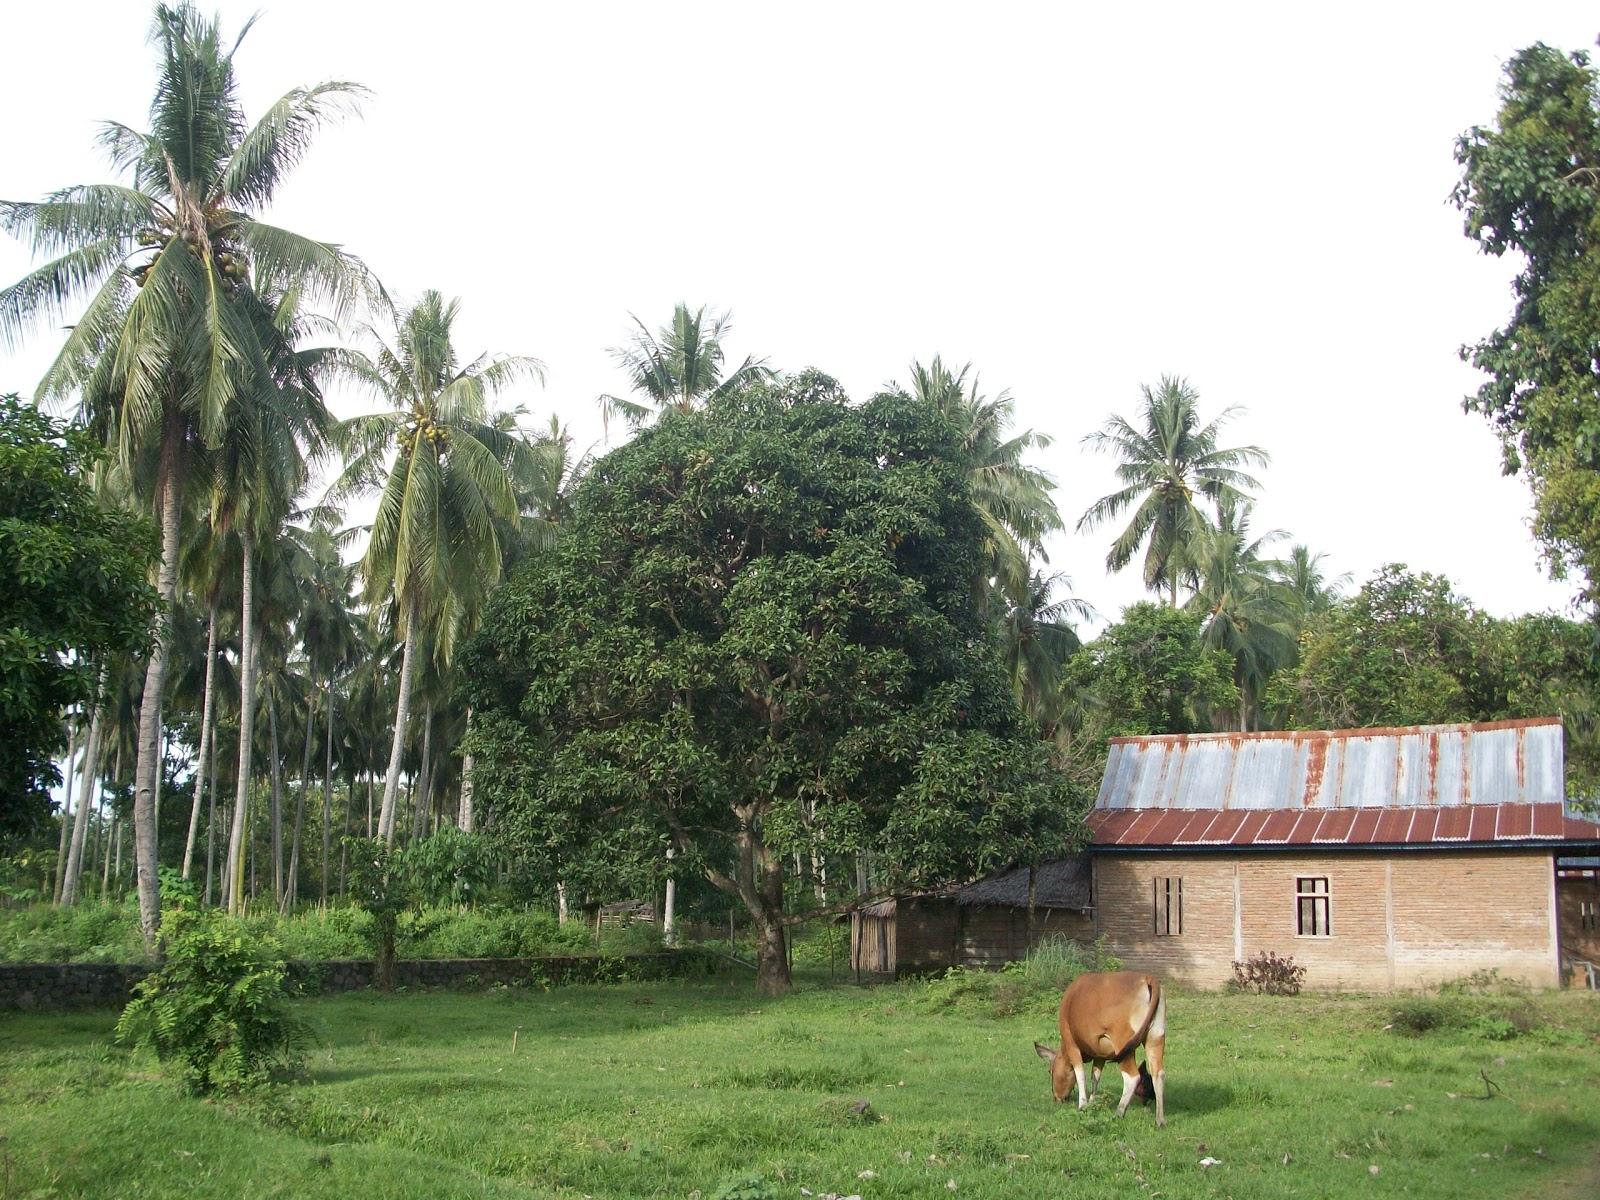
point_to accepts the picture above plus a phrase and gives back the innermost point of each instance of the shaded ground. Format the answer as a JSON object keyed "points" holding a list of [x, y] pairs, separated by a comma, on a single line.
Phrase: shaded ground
{"points": [[666, 1089]]}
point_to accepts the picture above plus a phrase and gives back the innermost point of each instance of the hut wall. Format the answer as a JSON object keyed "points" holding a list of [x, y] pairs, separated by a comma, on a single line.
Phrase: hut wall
{"points": [[939, 933], [1578, 901], [1397, 920]]}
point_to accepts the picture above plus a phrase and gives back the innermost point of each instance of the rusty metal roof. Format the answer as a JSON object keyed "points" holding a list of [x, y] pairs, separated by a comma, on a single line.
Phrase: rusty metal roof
{"points": [[1494, 763], [1457, 826]]}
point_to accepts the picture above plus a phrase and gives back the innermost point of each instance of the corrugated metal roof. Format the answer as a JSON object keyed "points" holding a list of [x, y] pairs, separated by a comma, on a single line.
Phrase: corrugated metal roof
{"points": [[1414, 825], [1497, 762]]}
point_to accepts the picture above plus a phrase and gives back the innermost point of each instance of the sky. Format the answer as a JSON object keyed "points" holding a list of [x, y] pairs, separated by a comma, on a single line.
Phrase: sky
{"points": [[1076, 199]]}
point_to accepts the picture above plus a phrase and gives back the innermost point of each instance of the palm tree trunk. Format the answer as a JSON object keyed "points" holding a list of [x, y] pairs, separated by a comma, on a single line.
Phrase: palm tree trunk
{"points": [[66, 814], [234, 891], [86, 790], [402, 714], [327, 798], [424, 805], [464, 814], [147, 767], [205, 739], [291, 889], [107, 835], [669, 910], [277, 797], [211, 820]]}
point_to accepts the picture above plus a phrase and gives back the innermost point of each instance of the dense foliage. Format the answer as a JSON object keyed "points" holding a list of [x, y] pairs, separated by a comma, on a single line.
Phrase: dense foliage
{"points": [[758, 625], [215, 1010], [1531, 185], [1407, 650], [74, 593]]}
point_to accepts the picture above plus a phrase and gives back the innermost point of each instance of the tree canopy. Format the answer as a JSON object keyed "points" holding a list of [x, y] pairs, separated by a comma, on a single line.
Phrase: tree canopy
{"points": [[74, 591], [759, 623], [1530, 184]]}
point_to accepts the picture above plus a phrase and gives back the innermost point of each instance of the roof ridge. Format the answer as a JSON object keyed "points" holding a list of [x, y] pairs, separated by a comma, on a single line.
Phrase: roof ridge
{"points": [[1265, 735]]}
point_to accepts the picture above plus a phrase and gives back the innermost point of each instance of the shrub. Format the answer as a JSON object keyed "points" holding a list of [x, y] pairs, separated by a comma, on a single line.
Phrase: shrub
{"points": [[1419, 1014], [215, 1010], [1057, 960], [1036, 980], [88, 932], [1266, 974]]}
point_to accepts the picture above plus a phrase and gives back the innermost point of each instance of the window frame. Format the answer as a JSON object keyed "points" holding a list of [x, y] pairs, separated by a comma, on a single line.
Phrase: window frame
{"points": [[1167, 898], [1320, 901]]}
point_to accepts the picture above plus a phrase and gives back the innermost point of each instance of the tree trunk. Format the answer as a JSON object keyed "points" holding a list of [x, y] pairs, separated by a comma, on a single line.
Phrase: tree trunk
{"points": [[760, 886], [327, 798], [465, 815], [65, 839], [206, 709], [277, 798], [107, 836], [669, 910], [402, 714], [424, 798], [211, 820], [147, 767], [86, 790], [234, 890], [291, 890]]}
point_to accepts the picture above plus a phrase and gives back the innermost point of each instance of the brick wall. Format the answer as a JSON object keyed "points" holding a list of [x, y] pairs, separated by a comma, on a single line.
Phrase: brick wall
{"points": [[1398, 920]]}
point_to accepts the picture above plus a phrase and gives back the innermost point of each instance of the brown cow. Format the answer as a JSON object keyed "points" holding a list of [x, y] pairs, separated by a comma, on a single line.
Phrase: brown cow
{"points": [[1105, 1017]]}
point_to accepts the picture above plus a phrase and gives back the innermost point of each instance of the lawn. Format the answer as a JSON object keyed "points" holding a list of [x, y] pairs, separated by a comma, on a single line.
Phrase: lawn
{"points": [[675, 1089]]}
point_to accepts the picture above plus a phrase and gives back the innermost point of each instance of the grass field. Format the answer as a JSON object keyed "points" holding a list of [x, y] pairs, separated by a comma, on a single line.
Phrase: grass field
{"points": [[677, 1089]]}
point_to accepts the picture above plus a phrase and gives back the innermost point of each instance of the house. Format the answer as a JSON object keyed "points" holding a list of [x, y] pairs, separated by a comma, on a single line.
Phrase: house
{"points": [[1378, 858], [983, 924]]}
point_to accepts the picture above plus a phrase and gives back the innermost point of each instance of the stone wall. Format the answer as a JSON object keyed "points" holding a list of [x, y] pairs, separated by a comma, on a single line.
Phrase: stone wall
{"points": [[54, 986]]}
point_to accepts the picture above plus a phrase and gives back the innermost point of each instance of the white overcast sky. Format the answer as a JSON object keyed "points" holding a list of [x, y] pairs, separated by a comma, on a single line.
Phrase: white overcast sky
{"points": [[1076, 198]]}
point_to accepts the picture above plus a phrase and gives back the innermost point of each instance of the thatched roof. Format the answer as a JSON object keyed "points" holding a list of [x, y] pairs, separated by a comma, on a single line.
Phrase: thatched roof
{"points": [[1062, 884]]}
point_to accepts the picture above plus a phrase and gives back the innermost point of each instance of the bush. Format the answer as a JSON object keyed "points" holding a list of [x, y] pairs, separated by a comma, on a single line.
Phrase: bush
{"points": [[87, 932], [215, 1010], [1482, 1017], [1266, 974]]}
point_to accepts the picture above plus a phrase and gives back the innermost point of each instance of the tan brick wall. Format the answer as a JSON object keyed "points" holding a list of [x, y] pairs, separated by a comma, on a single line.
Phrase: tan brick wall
{"points": [[1398, 920]]}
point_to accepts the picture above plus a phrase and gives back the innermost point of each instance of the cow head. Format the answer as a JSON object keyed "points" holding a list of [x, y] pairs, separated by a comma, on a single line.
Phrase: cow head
{"points": [[1061, 1076], [1145, 1089]]}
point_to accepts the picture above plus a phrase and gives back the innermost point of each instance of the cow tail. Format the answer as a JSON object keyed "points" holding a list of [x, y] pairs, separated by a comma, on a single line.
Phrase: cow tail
{"points": [[1144, 1026]]}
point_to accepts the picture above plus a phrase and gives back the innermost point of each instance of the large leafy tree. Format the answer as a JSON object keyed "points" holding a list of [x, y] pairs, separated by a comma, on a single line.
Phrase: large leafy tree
{"points": [[74, 593], [758, 622], [160, 263], [1150, 673], [678, 367], [1530, 185], [1166, 463], [444, 470]]}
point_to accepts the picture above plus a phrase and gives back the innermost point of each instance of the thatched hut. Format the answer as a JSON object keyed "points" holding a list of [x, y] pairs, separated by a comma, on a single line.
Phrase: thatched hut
{"points": [[984, 924]]}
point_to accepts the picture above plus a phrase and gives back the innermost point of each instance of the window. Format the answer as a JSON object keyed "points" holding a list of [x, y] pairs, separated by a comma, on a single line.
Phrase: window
{"points": [[1588, 911], [1312, 907], [1169, 905]]}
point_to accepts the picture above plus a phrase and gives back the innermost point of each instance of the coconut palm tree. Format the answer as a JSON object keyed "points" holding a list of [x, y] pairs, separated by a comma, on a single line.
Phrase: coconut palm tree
{"points": [[1012, 497], [1306, 581], [1036, 639], [443, 472], [163, 259], [677, 367], [1165, 464], [1243, 606]]}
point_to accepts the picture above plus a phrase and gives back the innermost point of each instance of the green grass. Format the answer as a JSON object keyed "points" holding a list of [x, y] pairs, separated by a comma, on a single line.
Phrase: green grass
{"points": [[666, 1089]]}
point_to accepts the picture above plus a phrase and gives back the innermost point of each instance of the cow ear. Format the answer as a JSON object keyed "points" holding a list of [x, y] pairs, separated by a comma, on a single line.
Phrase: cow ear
{"points": [[1045, 1053]]}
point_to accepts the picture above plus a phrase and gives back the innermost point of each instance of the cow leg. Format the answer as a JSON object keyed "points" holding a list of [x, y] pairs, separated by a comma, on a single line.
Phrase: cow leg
{"points": [[1094, 1086], [1075, 1057], [1155, 1050], [1130, 1081]]}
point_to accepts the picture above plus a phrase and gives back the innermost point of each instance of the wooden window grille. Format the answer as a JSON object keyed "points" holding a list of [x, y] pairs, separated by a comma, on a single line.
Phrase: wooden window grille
{"points": [[1169, 905], [1313, 906], [1588, 915]]}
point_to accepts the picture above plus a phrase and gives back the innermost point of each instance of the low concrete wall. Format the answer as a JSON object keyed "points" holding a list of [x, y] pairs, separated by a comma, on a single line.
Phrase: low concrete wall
{"points": [[28, 987]]}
